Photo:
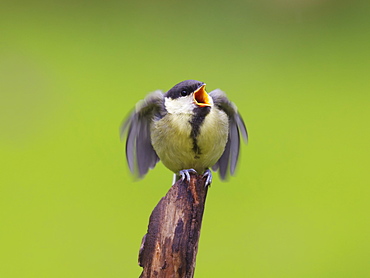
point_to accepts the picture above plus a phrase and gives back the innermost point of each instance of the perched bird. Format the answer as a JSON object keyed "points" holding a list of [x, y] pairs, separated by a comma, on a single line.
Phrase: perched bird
{"points": [[186, 128]]}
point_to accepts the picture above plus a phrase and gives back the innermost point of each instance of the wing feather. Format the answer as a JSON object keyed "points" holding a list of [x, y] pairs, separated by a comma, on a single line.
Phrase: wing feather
{"points": [[228, 161], [234, 146], [140, 154], [223, 162]]}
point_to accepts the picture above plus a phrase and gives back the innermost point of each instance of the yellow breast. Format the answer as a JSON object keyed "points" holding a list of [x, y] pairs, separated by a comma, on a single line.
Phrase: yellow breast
{"points": [[172, 141]]}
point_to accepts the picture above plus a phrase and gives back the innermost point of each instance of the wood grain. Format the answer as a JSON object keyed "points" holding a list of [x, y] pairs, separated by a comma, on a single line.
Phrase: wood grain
{"points": [[170, 246]]}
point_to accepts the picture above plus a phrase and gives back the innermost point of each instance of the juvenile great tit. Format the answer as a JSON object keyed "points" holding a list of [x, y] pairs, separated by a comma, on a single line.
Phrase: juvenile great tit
{"points": [[186, 128]]}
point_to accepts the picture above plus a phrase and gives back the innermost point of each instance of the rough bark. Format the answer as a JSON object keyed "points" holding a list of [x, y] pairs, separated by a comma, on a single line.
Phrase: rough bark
{"points": [[170, 246]]}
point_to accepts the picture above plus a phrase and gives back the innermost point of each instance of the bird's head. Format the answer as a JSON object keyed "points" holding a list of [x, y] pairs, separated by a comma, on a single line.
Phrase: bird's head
{"points": [[186, 96]]}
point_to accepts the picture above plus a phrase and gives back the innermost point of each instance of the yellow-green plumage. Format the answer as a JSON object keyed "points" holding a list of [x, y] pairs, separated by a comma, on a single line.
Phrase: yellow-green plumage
{"points": [[172, 141]]}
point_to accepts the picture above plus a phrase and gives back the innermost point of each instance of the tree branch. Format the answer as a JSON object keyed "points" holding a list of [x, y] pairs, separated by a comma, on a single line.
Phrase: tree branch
{"points": [[170, 246]]}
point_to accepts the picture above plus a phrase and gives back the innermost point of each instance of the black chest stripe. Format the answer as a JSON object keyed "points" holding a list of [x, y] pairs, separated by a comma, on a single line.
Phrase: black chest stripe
{"points": [[196, 122]]}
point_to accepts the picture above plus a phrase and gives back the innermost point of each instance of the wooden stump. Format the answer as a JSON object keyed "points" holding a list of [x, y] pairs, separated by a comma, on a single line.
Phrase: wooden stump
{"points": [[170, 246]]}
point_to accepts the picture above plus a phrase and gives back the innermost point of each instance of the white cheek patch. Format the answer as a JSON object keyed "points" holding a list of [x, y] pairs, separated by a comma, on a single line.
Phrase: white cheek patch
{"points": [[180, 105]]}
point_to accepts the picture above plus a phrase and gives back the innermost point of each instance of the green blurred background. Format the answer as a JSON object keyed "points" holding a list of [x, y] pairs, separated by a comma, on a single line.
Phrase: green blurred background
{"points": [[299, 71]]}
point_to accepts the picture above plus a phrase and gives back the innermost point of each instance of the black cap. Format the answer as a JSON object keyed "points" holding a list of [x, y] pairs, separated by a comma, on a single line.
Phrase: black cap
{"points": [[183, 88]]}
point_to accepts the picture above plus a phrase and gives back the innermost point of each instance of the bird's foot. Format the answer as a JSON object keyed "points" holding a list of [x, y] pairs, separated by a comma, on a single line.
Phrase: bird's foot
{"points": [[186, 174], [207, 173]]}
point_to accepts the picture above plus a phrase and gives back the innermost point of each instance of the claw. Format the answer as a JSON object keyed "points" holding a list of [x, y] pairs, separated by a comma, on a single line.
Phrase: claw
{"points": [[208, 174], [185, 174]]}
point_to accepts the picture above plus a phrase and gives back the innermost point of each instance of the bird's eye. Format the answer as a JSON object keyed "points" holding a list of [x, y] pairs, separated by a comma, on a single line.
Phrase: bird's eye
{"points": [[184, 93]]}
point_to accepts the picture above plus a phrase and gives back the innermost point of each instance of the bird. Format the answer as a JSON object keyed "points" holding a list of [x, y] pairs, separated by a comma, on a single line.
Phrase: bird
{"points": [[187, 129]]}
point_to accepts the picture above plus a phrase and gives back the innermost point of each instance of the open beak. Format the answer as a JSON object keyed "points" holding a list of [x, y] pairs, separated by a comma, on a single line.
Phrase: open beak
{"points": [[201, 97]]}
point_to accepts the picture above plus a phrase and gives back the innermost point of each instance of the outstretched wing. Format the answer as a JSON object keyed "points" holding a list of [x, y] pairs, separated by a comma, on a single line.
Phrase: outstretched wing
{"points": [[139, 150], [228, 160]]}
